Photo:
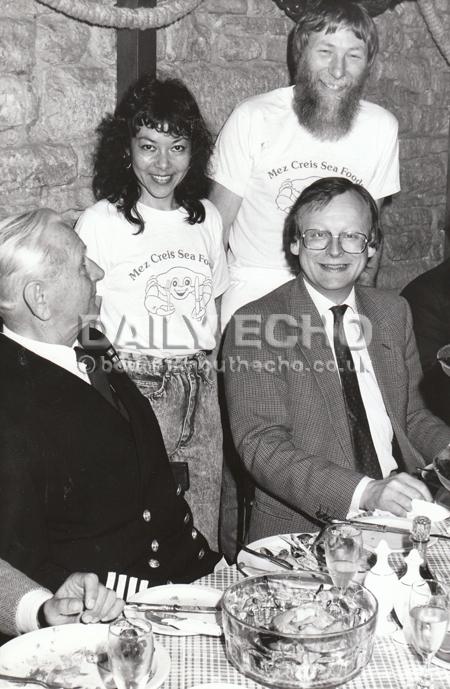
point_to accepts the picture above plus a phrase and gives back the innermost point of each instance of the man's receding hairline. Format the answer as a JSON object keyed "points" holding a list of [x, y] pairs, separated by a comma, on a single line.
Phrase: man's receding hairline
{"points": [[319, 204]]}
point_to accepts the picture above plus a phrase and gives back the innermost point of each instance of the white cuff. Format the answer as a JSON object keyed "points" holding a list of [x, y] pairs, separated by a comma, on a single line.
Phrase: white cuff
{"points": [[357, 495], [27, 610]]}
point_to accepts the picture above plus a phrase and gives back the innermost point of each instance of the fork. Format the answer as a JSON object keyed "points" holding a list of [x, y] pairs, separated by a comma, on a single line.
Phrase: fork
{"points": [[32, 680], [153, 617]]}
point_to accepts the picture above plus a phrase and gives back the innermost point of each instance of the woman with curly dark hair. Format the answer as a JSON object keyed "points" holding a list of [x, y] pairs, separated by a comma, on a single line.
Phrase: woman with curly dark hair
{"points": [[159, 241]]}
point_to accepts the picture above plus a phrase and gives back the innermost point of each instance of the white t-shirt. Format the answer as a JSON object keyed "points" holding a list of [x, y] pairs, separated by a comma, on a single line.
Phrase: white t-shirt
{"points": [[265, 156], [159, 286]]}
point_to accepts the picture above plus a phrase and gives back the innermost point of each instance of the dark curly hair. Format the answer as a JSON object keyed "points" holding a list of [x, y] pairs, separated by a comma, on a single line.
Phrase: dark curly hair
{"points": [[318, 195], [162, 104]]}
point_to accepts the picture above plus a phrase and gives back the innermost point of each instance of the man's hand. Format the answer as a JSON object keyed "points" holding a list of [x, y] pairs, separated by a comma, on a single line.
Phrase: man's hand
{"points": [[82, 598], [394, 494]]}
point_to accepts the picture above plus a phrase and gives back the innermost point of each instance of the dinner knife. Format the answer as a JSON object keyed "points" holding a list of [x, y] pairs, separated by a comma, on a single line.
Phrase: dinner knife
{"points": [[387, 529], [172, 607]]}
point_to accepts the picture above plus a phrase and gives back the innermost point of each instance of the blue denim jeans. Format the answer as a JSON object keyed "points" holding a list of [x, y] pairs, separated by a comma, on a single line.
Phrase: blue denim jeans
{"points": [[183, 394]]}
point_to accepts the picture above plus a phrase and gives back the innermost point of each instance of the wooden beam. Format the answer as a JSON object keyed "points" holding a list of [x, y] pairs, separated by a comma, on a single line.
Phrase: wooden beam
{"points": [[447, 211], [136, 50]]}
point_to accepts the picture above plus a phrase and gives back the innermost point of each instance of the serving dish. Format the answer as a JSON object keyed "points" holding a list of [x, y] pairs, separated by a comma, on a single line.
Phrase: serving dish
{"points": [[269, 639]]}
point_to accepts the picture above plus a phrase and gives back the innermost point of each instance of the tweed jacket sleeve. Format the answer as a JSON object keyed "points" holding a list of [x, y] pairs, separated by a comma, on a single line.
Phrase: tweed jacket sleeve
{"points": [[13, 586]]}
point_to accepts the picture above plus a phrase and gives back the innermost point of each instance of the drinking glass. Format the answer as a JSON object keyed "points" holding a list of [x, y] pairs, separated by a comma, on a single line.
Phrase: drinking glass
{"points": [[343, 551], [130, 651], [428, 611]]}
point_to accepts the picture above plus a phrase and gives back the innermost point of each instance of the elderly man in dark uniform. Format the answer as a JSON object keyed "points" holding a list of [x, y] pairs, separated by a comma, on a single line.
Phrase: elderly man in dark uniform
{"points": [[85, 482]]}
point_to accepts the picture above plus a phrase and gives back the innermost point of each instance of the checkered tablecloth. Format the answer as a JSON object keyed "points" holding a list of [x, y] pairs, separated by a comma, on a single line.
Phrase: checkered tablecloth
{"points": [[202, 659]]}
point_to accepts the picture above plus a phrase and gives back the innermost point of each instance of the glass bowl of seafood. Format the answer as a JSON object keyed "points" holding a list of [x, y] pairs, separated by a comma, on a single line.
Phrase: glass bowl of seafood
{"points": [[288, 632]]}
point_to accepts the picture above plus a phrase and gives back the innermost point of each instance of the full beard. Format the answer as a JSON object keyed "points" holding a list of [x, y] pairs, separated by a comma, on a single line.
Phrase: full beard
{"points": [[328, 118]]}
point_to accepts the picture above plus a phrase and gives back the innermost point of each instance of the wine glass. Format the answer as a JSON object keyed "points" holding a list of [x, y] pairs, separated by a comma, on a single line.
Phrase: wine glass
{"points": [[130, 651], [428, 612], [343, 551]]}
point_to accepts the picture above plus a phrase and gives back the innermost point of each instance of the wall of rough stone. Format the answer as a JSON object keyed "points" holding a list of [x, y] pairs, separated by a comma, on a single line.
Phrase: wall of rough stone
{"points": [[226, 56], [57, 78]]}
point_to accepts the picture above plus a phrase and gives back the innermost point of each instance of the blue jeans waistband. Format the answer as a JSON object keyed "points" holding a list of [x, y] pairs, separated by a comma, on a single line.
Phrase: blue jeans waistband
{"points": [[140, 363]]}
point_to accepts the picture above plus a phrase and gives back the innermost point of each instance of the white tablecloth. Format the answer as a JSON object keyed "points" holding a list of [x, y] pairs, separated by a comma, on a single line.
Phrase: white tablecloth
{"points": [[202, 659]]}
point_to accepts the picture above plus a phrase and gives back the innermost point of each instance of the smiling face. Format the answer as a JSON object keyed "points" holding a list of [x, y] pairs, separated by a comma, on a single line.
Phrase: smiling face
{"points": [[159, 161], [337, 61], [181, 287], [332, 271], [330, 78]]}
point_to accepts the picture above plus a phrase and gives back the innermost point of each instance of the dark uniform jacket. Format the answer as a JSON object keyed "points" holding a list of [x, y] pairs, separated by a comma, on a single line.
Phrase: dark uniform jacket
{"points": [[82, 488]]}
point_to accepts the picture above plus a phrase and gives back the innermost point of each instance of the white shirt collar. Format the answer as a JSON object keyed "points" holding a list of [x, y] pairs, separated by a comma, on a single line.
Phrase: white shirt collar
{"points": [[58, 354], [323, 304]]}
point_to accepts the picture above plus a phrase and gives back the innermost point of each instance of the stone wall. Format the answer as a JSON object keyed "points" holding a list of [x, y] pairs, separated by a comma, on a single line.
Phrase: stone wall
{"points": [[225, 57], [57, 78]]}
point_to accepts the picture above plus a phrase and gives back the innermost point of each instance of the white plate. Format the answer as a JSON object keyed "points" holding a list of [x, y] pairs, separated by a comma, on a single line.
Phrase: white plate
{"points": [[187, 594], [64, 651], [274, 543]]}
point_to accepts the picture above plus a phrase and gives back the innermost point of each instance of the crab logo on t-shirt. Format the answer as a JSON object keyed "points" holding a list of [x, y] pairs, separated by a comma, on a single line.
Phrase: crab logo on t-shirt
{"points": [[290, 190], [178, 289]]}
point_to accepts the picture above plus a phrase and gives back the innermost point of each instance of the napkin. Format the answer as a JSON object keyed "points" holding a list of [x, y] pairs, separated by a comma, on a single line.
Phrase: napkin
{"points": [[432, 510]]}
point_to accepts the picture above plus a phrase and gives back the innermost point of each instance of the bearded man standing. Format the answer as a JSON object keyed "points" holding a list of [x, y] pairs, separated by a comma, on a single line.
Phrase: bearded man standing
{"points": [[275, 144]]}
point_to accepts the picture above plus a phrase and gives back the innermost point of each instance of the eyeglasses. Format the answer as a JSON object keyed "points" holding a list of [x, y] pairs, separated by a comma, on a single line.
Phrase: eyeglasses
{"points": [[350, 242]]}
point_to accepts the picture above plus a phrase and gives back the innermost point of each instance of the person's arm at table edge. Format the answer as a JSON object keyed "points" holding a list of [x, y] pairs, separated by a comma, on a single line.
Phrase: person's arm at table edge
{"points": [[80, 598]]}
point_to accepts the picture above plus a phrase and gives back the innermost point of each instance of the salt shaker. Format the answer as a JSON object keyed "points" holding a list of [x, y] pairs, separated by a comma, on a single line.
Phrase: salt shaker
{"points": [[382, 581], [420, 535]]}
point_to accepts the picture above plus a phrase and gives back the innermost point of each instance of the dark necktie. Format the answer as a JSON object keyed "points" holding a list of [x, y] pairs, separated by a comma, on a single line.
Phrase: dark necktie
{"points": [[363, 447], [98, 378]]}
